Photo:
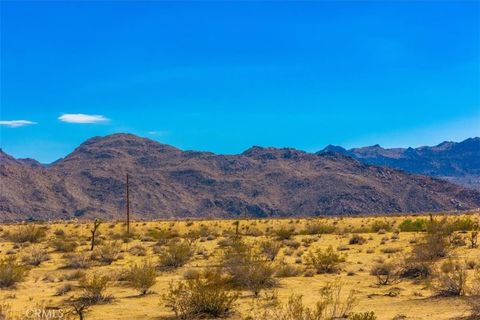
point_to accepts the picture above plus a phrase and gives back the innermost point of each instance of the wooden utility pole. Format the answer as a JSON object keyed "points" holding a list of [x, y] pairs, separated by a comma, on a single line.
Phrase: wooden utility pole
{"points": [[128, 207]]}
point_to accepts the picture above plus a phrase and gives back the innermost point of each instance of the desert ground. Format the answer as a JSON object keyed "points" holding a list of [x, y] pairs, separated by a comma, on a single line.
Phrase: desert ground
{"points": [[382, 267]]}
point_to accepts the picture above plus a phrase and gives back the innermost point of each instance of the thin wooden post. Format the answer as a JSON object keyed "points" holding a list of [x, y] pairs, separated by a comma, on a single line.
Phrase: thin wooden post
{"points": [[128, 207]]}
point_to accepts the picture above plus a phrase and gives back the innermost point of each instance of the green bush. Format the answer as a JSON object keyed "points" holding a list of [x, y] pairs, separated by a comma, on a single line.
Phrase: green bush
{"points": [[325, 261], [464, 224], [409, 225], [380, 225]]}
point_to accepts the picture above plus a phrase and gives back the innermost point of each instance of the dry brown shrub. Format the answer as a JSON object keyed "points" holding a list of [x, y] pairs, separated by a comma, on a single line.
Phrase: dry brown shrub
{"points": [[11, 272], [142, 276], [205, 296], [330, 306], [176, 254], [270, 248], [34, 255], [386, 273]]}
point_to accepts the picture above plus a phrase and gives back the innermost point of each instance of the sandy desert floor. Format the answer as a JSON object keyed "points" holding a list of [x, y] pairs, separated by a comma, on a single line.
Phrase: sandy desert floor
{"points": [[403, 299]]}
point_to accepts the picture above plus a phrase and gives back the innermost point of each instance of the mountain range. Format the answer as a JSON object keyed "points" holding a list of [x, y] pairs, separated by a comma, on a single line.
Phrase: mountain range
{"points": [[457, 162], [166, 182]]}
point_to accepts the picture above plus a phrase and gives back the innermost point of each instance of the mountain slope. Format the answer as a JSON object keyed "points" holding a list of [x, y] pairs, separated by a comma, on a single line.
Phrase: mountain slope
{"points": [[168, 182], [457, 162]]}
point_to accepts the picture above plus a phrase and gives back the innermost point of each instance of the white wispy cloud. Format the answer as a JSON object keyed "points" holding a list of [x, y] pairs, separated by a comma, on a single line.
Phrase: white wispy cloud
{"points": [[162, 133], [16, 123], [82, 118]]}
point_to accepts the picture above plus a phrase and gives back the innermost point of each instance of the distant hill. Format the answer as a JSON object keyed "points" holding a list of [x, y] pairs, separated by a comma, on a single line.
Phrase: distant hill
{"points": [[457, 162], [167, 182]]}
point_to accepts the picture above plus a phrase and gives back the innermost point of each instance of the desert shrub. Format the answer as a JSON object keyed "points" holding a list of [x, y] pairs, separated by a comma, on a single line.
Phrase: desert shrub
{"points": [[142, 277], [162, 236], [363, 316], [254, 232], [191, 274], [457, 240], [391, 250], [94, 287], [61, 244], [284, 233], [450, 279], [416, 269], [138, 250], [75, 275], [434, 244], [64, 289], [410, 225], [285, 270], [357, 239], [78, 260], [124, 236], [386, 273], [35, 255], [330, 306], [27, 233], [270, 249], [292, 243], [318, 228], [11, 272], [59, 232], [464, 224], [325, 261], [205, 296], [247, 269], [380, 225], [107, 252], [175, 254]]}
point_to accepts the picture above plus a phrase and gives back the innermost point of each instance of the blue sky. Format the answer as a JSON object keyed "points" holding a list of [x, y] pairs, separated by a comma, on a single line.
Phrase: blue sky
{"points": [[223, 76]]}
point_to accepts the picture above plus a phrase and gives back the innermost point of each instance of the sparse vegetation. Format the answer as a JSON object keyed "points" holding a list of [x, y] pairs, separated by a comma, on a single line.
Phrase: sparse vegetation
{"points": [[11, 272], [200, 297], [28, 233], [253, 268], [94, 287], [142, 276], [175, 254], [325, 261], [34, 255]]}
